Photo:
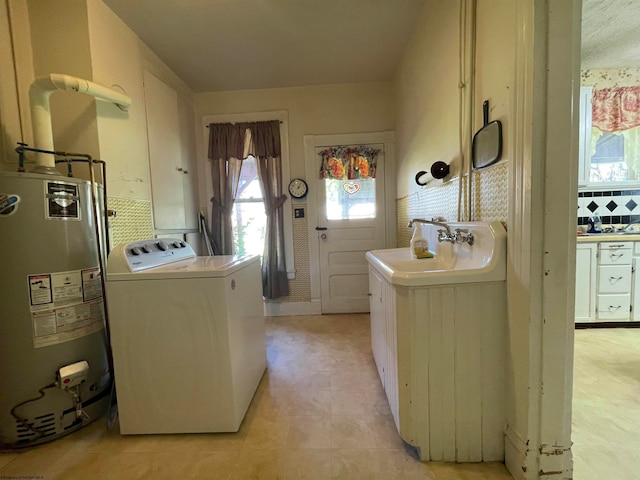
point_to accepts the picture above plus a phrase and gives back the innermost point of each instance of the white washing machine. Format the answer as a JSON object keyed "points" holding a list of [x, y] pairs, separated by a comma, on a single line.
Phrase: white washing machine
{"points": [[187, 335]]}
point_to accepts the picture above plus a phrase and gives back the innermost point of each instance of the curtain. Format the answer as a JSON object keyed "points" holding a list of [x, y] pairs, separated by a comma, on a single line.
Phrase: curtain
{"points": [[265, 147], [229, 144], [226, 151], [617, 110], [348, 163]]}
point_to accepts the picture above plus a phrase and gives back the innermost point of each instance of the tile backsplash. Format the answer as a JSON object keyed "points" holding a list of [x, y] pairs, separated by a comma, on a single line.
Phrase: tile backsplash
{"points": [[613, 206]]}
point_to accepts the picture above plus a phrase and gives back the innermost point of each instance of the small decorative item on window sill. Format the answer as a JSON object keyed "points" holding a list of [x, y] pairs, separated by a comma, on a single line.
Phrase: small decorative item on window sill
{"points": [[439, 170], [348, 163]]}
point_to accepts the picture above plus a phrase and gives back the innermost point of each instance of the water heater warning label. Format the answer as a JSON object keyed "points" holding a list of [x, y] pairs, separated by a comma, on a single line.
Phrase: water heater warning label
{"points": [[62, 201], [65, 305]]}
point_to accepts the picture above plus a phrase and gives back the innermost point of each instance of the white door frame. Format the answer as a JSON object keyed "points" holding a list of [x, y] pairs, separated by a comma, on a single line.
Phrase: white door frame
{"points": [[542, 215], [312, 167]]}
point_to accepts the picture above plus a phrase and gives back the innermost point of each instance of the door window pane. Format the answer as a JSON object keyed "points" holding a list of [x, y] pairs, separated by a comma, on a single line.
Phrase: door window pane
{"points": [[350, 199]]}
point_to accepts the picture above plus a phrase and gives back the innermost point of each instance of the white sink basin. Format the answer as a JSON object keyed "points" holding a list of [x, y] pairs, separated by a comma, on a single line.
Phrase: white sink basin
{"points": [[484, 261]]}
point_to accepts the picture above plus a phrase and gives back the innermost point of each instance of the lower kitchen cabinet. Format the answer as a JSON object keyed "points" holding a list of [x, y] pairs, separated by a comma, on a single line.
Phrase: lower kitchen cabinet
{"points": [[586, 270], [607, 284]]}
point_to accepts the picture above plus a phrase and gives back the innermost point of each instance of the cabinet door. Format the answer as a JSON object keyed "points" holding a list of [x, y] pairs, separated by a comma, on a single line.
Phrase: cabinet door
{"points": [[635, 292], [378, 328], [163, 134], [586, 282]]}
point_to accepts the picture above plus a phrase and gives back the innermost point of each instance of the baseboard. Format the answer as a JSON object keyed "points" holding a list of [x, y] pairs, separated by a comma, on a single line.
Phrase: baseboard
{"points": [[515, 454], [279, 309]]}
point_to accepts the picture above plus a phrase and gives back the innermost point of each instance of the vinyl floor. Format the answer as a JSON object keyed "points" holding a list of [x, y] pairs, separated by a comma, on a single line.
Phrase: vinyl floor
{"points": [[319, 413]]}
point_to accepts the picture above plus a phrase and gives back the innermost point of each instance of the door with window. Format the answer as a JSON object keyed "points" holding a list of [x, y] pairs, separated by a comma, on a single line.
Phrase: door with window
{"points": [[351, 221]]}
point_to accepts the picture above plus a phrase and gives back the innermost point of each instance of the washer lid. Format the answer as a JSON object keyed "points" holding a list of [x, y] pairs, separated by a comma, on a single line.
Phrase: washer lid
{"points": [[195, 267]]}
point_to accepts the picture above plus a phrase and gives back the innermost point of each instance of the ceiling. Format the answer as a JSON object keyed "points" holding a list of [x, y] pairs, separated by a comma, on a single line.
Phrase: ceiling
{"points": [[216, 45], [610, 34]]}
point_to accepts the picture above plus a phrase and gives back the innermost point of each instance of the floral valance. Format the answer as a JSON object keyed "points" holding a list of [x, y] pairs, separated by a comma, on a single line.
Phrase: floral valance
{"points": [[348, 163], [616, 109]]}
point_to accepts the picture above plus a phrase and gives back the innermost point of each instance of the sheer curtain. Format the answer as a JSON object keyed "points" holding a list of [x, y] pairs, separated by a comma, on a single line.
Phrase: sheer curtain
{"points": [[228, 145]]}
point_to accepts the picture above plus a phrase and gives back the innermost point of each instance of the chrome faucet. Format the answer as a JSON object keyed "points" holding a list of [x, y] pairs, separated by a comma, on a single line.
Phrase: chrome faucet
{"points": [[443, 235]]}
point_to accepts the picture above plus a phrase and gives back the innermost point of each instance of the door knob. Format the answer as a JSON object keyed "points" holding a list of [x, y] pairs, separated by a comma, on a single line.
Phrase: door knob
{"points": [[323, 236]]}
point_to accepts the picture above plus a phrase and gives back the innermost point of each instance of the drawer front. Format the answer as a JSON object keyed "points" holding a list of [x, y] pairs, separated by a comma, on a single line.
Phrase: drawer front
{"points": [[614, 279], [613, 307], [615, 256], [614, 245]]}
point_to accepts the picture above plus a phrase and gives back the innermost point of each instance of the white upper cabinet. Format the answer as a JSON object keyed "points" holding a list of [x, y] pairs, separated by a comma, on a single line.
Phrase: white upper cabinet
{"points": [[171, 191]]}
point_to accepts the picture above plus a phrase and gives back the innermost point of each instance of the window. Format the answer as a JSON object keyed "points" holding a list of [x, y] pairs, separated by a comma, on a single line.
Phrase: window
{"points": [[608, 163], [350, 199], [249, 218]]}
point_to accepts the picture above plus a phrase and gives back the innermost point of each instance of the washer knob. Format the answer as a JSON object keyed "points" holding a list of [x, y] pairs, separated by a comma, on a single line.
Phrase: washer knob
{"points": [[177, 244], [145, 249], [162, 245], [135, 251]]}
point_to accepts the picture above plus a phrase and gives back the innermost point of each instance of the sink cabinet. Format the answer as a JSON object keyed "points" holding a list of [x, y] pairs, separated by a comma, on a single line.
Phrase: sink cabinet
{"points": [[440, 352]]}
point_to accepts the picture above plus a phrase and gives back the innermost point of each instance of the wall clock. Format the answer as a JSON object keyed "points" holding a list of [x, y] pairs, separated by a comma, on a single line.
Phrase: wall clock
{"points": [[298, 188]]}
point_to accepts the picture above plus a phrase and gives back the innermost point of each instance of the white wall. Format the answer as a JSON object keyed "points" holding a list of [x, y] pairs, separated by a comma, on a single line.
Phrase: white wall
{"points": [[317, 110], [15, 44], [86, 39], [60, 42], [115, 62], [428, 105]]}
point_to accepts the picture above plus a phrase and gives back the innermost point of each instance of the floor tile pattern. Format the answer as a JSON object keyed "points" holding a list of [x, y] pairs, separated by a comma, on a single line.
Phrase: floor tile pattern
{"points": [[319, 413], [606, 404]]}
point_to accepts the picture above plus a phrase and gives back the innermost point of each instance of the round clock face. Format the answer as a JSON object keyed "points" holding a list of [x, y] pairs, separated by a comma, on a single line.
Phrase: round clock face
{"points": [[298, 188]]}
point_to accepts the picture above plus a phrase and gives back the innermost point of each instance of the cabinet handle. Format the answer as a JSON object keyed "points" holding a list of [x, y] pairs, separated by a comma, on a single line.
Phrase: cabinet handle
{"points": [[612, 279], [614, 307], [616, 255]]}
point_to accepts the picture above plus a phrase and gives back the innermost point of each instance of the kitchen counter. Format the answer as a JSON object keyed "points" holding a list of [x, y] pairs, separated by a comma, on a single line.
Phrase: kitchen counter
{"points": [[608, 237]]}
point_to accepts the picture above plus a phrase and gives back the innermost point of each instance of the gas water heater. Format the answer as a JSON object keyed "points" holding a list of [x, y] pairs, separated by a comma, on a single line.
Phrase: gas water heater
{"points": [[54, 370]]}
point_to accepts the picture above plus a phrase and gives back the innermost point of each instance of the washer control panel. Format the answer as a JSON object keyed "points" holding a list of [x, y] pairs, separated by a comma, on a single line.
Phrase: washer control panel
{"points": [[144, 254]]}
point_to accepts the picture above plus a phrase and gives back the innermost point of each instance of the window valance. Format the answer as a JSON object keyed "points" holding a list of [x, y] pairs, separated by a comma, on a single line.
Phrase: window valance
{"points": [[348, 163], [616, 109]]}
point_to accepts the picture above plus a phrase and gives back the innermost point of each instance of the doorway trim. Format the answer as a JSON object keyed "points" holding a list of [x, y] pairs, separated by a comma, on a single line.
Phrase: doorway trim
{"points": [[311, 162]]}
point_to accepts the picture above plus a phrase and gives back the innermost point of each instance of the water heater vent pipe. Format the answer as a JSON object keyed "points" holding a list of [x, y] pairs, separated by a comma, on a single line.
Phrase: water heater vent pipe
{"points": [[39, 93]]}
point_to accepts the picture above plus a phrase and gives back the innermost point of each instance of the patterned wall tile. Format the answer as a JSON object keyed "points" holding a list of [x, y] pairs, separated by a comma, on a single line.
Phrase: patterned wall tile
{"points": [[613, 206], [300, 287], [488, 195], [134, 220]]}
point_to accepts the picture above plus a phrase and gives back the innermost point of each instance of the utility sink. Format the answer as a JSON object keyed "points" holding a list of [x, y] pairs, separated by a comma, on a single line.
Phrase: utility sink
{"points": [[452, 263]]}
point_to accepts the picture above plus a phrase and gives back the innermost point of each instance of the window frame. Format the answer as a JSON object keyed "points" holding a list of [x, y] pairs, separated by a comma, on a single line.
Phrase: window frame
{"points": [[584, 151]]}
